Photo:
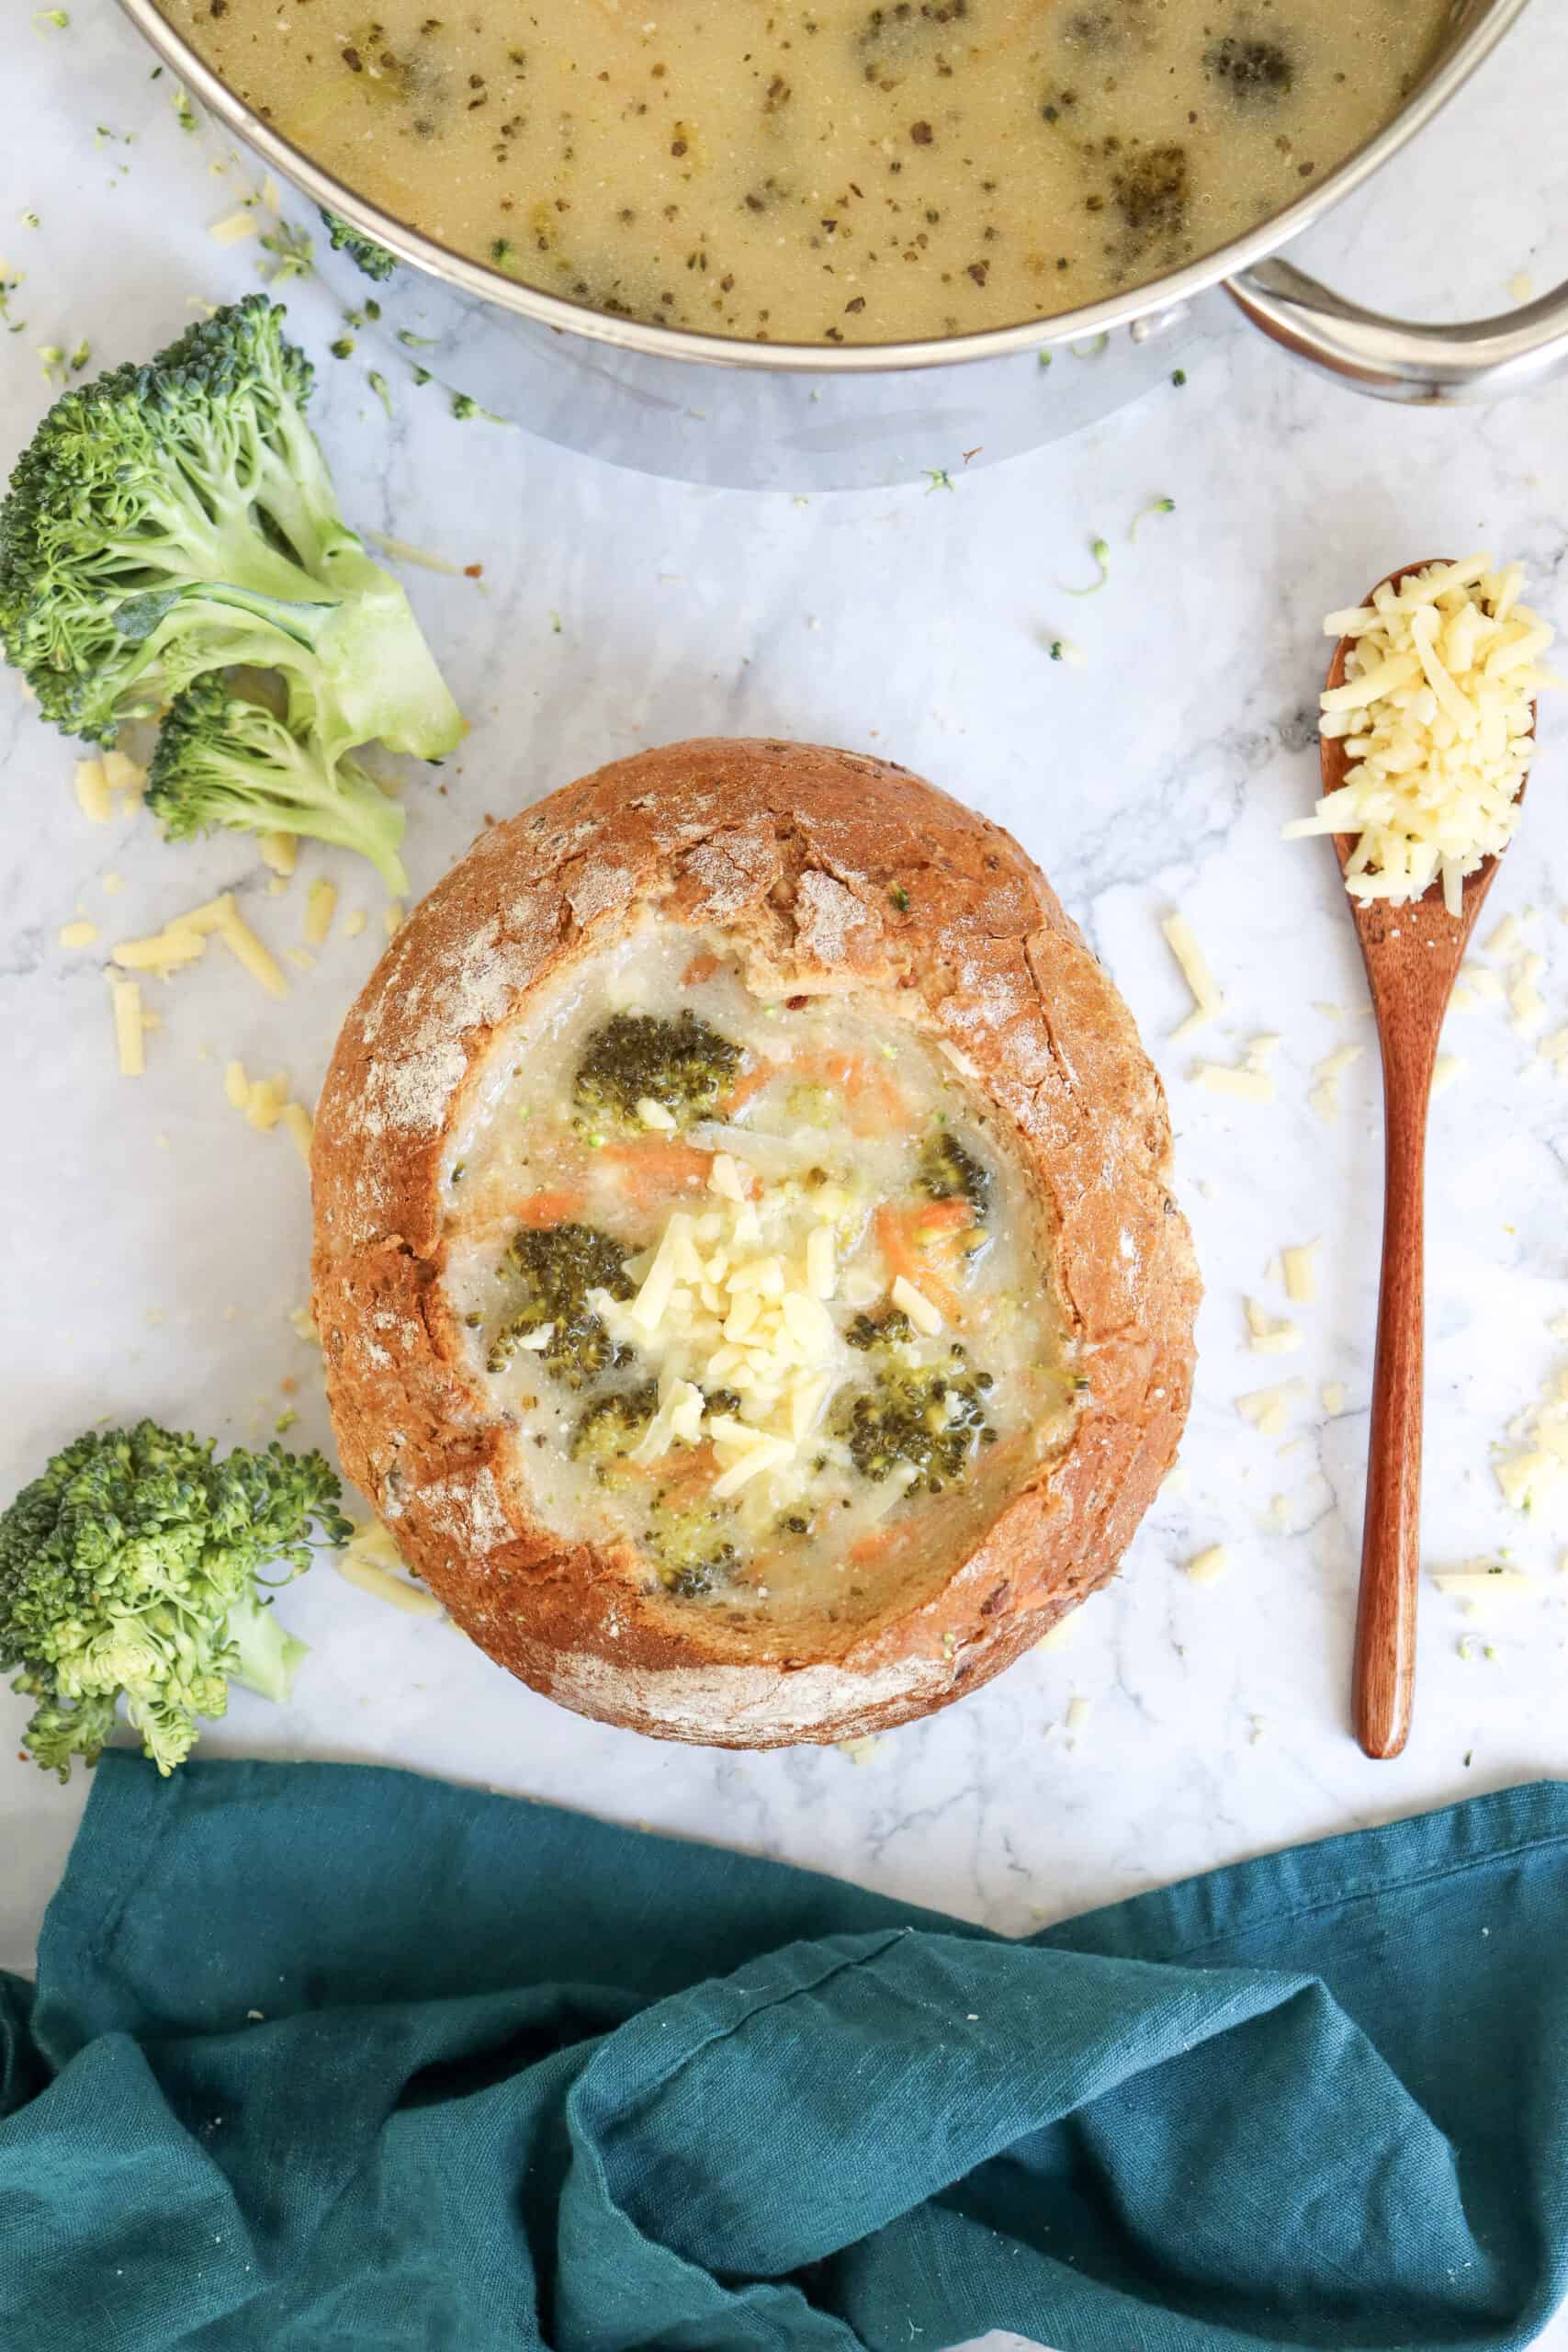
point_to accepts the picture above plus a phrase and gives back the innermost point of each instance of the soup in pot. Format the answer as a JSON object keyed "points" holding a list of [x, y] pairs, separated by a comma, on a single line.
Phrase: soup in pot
{"points": [[827, 172]]}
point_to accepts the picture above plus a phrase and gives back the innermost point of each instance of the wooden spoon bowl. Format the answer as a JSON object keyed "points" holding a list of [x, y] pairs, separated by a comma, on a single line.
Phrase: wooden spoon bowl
{"points": [[1411, 954]]}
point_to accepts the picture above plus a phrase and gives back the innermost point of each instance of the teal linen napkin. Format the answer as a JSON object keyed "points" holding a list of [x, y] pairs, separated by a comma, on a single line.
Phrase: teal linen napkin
{"points": [[325, 2056]]}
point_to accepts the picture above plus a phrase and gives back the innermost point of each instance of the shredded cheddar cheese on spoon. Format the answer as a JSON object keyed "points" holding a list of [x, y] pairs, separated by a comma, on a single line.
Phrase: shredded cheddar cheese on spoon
{"points": [[1436, 718]]}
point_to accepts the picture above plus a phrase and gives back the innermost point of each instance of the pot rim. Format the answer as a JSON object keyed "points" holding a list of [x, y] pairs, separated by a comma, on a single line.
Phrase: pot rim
{"points": [[484, 284]]}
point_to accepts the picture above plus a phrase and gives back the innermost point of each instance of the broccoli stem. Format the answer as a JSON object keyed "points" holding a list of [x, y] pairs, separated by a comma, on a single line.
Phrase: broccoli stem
{"points": [[267, 1656]]}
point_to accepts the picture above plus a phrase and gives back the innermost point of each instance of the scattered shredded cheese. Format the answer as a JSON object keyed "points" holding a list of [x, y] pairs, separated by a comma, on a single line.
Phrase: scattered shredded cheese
{"points": [[1531, 1474], [1437, 718], [1527, 1006], [265, 1099], [1333, 1397], [300, 1127], [392, 916], [247, 951], [1268, 1338], [93, 795], [371, 1560], [1300, 1267], [353, 923], [163, 953], [1324, 1095], [1268, 1409], [1209, 1567], [1207, 996], [124, 774], [320, 905], [1064, 1630], [861, 1750], [1252, 1082], [280, 852], [1474, 1585], [1078, 1716], [128, 1034], [78, 934], [235, 227]]}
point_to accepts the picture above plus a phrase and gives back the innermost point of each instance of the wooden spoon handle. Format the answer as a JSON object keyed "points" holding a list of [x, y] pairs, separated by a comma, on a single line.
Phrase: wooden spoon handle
{"points": [[1391, 1540]]}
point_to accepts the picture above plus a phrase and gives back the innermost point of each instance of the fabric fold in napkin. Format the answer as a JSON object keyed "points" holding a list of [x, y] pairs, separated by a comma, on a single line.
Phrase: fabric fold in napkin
{"points": [[328, 2056]]}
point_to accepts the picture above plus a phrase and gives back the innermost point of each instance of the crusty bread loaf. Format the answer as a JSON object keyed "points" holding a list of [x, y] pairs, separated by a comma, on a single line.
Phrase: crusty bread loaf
{"points": [[835, 870]]}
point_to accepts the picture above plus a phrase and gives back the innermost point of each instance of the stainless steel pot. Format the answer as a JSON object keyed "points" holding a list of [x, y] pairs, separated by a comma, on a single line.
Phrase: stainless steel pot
{"points": [[819, 417]]}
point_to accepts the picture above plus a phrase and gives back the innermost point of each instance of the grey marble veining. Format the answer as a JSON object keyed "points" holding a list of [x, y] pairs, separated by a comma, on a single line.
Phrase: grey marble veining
{"points": [[158, 1243]]}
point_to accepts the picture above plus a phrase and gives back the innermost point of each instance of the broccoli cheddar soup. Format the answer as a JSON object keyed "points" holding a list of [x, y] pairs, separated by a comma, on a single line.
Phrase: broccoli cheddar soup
{"points": [[826, 172], [759, 1286]]}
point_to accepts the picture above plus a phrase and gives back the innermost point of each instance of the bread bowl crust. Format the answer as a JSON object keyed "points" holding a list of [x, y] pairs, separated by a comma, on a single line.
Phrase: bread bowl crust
{"points": [[805, 855]]}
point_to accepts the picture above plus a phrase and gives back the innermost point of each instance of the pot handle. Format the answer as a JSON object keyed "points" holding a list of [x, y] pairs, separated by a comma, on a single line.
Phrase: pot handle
{"points": [[1395, 359]]}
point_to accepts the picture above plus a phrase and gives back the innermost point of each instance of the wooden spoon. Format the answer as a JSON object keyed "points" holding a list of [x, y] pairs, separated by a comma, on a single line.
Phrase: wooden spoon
{"points": [[1412, 954]]}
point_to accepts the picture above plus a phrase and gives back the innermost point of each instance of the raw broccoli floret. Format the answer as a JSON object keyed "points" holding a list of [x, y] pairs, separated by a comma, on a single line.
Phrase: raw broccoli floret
{"points": [[224, 761], [175, 518], [683, 1065], [374, 260], [551, 1270], [928, 1419], [131, 1569], [949, 1171]]}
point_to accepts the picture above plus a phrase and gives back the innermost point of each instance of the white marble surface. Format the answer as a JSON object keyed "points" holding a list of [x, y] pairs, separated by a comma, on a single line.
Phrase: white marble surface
{"points": [[146, 1278]]}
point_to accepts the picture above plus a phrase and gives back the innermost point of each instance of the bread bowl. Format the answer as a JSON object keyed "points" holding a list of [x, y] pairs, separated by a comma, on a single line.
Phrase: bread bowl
{"points": [[581, 1140]]}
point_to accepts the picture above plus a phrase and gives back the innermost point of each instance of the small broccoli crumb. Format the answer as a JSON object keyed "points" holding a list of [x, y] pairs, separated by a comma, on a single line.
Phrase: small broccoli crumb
{"points": [[464, 406], [1101, 551], [379, 385], [683, 1065], [1155, 506], [371, 259], [291, 251], [901, 898]]}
